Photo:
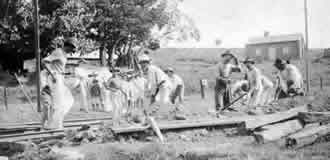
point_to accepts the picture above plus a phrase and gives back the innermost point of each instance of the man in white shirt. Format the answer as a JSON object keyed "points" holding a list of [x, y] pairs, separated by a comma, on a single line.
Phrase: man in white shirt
{"points": [[158, 83], [259, 85], [290, 79], [56, 97], [177, 86]]}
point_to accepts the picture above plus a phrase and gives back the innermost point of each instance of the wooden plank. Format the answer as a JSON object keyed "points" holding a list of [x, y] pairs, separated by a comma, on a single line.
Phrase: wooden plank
{"points": [[306, 136], [315, 117], [38, 124], [277, 131], [263, 120], [181, 125], [36, 127], [38, 135]]}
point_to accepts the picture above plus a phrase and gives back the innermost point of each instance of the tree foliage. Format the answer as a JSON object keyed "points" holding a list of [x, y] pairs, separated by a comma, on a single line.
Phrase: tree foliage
{"points": [[115, 26]]}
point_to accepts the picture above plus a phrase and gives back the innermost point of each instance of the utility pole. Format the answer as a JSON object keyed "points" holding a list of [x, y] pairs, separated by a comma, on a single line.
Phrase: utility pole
{"points": [[37, 50], [306, 55]]}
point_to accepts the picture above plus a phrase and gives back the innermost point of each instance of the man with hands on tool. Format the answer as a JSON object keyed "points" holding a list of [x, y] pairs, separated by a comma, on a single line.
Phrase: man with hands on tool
{"points": [[228, 65], [259, 85], [56, 97]]}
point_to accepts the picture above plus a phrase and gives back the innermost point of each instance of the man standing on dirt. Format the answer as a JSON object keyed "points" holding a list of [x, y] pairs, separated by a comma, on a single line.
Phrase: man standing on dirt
{"points": [[226, 67], [290, 80], [56, 97], [158, 83], [177, 86]]}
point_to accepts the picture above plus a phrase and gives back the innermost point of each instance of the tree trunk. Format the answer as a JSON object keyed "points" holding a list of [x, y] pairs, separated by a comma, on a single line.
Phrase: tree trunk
{"points": [[110, 53], [103, 59]]}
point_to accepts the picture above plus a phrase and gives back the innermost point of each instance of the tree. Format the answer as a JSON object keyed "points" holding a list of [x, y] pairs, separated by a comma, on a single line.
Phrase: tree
{"points": [[123, 25], [114, 26]]}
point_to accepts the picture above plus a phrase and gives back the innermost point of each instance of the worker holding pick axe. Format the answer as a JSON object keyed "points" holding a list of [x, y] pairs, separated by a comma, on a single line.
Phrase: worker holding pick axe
{"points": [[228, 65]]}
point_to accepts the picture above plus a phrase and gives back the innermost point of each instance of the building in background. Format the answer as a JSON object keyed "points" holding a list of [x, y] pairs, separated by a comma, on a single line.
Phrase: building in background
{"points": [[288, 47]]}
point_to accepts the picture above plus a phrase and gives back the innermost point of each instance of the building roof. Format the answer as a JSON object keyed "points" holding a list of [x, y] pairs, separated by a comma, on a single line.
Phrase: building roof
{"points": [[275, 39]]}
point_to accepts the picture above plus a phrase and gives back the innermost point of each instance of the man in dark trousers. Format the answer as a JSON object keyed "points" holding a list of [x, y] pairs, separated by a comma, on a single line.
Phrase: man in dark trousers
{"points": [[227, 66]]}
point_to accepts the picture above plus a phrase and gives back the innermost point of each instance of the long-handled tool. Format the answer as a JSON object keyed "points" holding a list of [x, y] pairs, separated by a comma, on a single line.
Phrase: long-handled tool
{"points": [[153, 97], [233, 102], [26, 94]]}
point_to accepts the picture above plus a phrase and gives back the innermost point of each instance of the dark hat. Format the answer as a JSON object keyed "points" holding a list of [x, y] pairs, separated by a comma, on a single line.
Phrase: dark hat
{"points": [[227, 53], [249, 60], [70, 42], [279, 62]]}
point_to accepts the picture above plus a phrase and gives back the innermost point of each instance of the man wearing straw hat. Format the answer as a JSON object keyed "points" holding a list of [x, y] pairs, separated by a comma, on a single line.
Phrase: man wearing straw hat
{"points": [[55, 96], [260, 86], [221, 90]]}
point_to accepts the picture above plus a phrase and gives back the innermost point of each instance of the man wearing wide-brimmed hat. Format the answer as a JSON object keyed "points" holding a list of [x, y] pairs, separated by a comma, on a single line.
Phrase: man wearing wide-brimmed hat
{"points": [[55, 96], [225, 69], [290, 79], [260, 87], [158, 83]]}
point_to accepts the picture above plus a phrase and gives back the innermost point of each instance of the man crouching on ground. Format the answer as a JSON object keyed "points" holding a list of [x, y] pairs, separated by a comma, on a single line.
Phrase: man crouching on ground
{"points": [[290, 80]]}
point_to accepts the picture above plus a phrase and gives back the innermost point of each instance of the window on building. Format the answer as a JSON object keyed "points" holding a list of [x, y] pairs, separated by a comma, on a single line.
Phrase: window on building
{"points": [[272, 53], [286, 50], [258, 52]]}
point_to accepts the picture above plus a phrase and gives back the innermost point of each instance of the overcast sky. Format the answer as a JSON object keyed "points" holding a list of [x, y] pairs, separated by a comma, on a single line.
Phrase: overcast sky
{"points": [[234, 21]]}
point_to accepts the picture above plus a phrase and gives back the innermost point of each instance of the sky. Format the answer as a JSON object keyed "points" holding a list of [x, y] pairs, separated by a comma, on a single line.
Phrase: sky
{"points": [[235, 21]]}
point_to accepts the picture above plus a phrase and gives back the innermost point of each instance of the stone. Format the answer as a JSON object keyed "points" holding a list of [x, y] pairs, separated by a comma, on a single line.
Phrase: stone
{"points": [[68, 153], [3, 158]]}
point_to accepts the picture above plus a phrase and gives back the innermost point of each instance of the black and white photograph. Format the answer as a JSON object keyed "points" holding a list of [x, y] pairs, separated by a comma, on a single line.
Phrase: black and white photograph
{"points": [[164, 80]]}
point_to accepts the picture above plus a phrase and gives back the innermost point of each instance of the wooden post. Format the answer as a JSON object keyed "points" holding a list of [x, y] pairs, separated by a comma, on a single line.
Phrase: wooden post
{"points": [[5, 97], [307, 69], [321, 82], [203, 84], [37, 51]]}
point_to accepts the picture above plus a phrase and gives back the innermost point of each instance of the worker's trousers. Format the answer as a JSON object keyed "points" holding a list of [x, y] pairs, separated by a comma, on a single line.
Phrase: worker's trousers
{"points": [[221, 93]]}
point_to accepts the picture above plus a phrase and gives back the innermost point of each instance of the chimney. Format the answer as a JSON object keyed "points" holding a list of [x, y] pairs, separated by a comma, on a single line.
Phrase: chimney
{"points": [[266, 33]]}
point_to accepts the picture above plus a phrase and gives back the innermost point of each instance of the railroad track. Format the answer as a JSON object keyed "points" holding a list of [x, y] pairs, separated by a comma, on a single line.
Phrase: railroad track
{"points": [[30, 131]]}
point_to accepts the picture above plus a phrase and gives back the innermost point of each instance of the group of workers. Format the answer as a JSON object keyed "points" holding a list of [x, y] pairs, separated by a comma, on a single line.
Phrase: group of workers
{"points": [[163, 86], [258, 88], [166, 87]]}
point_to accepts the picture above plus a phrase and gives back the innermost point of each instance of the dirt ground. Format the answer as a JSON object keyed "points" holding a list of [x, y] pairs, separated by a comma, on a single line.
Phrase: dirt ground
{"points": [[196, 144]]}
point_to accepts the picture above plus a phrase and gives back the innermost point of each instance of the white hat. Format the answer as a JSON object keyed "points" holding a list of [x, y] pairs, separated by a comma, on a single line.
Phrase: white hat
{"points": [[57, 54], [144, 58], [170, 69]]}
